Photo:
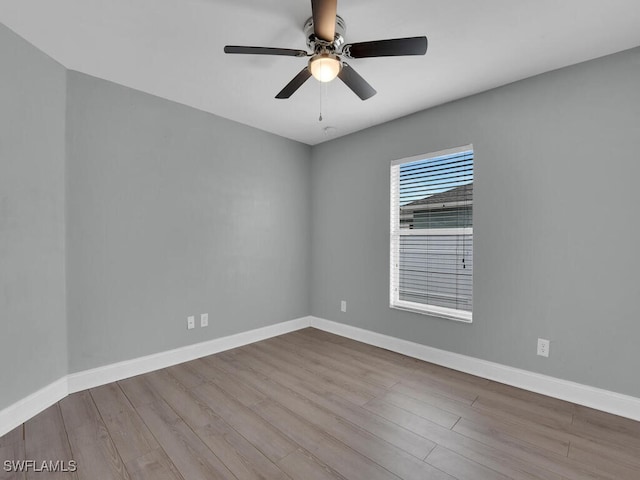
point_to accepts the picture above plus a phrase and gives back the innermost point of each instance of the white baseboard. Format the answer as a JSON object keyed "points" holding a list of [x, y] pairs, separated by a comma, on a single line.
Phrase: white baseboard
{"points": [[137, 366], [605, 400], [28, 407]]}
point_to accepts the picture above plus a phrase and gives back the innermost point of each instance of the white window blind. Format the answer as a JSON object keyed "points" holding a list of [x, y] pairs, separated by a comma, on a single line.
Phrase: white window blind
{"points": [[432, 234]]}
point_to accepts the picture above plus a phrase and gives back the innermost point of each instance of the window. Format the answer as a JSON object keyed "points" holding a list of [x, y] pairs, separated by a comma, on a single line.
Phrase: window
{"points": [[432, 234]]}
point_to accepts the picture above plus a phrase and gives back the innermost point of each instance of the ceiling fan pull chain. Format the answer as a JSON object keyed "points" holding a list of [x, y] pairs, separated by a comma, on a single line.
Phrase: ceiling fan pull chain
{"points": [[320, 117]]}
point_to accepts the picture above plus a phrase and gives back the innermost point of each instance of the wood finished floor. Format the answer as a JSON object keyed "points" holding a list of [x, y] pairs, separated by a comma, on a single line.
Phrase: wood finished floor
{"points": [[310, 405]]}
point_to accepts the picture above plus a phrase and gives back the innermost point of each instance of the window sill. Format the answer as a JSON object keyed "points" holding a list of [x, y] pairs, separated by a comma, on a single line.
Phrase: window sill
{"points": [[431, 310]]}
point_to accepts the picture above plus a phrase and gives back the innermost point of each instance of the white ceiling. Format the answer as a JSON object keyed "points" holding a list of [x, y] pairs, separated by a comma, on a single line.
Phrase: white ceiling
{"points": [[173, 49]]}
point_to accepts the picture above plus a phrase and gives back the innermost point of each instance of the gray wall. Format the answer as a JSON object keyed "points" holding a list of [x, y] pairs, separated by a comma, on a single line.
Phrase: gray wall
{"points": [[555, 223], [175, 212], [33, 342]]}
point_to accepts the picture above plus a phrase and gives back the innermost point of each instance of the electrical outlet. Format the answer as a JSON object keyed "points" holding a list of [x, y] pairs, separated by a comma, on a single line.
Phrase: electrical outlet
{"points": [[204, 320], [543, 347], [343, 306], [191, 322]]}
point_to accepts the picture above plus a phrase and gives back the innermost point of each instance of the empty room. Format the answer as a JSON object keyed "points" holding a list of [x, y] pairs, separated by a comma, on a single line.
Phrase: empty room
{"points": [[293, 239]]}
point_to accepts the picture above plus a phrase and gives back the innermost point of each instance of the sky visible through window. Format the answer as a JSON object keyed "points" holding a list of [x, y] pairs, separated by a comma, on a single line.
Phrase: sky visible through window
{"points": [[423, 178]]}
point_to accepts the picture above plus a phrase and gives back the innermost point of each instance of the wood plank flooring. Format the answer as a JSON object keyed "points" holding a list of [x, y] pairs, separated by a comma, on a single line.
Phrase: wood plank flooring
{"points": [[310, 405]]}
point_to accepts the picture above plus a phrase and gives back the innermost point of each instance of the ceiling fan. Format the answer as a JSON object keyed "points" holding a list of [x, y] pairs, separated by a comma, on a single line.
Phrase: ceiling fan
{"points": [[324, 32]]}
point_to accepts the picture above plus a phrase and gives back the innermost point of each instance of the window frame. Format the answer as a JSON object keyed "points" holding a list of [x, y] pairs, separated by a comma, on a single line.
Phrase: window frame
{"points": [[396, 233]]}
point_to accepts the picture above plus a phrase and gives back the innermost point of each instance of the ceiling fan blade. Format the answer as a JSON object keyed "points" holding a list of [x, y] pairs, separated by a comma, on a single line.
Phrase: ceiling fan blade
{"points": [[324, 18], [294, 84], [355, 82], [264, 51], [386, 48]]}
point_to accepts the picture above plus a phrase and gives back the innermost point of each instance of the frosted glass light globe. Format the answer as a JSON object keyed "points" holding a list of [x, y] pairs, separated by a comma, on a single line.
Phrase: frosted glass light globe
{"points": [[324, 67]]}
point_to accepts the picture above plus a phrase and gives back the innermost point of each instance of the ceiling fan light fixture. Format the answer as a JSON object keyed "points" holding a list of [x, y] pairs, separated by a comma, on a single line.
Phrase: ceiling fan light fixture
{"points": [[325, 66], [324, 32]]}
